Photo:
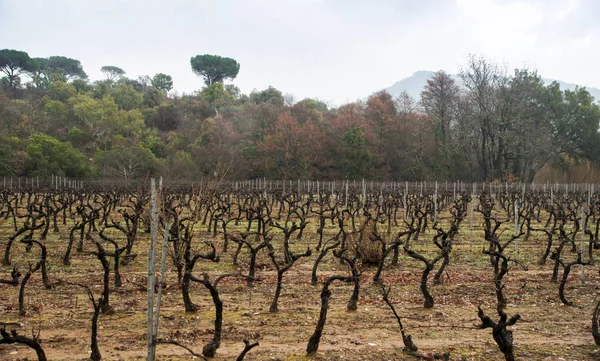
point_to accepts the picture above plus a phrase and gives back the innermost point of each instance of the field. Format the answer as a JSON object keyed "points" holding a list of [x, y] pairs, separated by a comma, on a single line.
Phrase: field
{"points": [[547, 330]]}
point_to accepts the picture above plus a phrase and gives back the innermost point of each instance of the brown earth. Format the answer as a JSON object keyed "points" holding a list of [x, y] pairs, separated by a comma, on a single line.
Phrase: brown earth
{"points": [[547, 331]]}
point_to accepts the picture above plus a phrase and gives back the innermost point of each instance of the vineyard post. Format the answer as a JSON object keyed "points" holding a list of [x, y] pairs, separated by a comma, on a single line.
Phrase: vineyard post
{"points": [[589, 196], [471, 219], [582, 245], [364, 186], [346, 203], [435, 203], [404, 202], [163, 263], [152, 267], [517, 228], [454, 192]]}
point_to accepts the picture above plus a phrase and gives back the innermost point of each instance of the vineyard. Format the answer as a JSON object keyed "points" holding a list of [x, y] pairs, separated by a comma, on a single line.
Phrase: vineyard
{"points": [[295, 270]]}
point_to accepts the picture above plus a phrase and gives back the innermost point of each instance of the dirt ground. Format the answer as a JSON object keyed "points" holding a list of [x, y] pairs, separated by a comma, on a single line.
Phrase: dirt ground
{"points": [[547, 331]]}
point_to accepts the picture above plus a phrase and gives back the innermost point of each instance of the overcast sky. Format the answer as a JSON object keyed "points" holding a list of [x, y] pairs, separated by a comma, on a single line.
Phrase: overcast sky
{"points": [[334, 50]]}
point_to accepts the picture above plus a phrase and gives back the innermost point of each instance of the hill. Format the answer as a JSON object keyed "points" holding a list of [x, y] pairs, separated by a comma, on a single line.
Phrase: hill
{"points": [[414, 84]]}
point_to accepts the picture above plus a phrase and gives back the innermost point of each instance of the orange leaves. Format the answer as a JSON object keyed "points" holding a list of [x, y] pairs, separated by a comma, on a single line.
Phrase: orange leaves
{"points": [[291, 149]]}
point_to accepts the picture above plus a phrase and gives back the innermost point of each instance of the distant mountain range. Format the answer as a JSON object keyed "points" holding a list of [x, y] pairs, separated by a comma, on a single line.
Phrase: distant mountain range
{"points": [[414, 84]]}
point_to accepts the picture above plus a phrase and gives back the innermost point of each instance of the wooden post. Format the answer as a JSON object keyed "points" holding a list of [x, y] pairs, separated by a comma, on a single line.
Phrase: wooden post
{"points": [[471, 219], [163, 263], [435, 195], [454, 192], [152, 267], [364, 192], [405, 205], [582, 245], [516, 228], [346, 203]]}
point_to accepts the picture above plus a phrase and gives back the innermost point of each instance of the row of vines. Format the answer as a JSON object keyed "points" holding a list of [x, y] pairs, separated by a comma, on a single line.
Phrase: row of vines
{"points": [[347, 235]]}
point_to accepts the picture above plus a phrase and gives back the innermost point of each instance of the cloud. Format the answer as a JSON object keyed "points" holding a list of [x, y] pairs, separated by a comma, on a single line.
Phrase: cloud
{"points": [[336, 50]]}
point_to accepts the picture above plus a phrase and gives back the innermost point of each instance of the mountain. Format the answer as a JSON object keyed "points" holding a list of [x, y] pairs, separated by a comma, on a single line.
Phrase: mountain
{"points": [[414, 84]]}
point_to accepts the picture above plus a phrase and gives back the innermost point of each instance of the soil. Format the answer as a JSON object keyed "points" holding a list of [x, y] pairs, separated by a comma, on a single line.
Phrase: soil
{"points": [[548, 330]]}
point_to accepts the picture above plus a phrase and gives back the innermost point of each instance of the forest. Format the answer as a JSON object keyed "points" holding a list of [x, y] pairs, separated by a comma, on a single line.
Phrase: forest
{"points": [[495, 125]]}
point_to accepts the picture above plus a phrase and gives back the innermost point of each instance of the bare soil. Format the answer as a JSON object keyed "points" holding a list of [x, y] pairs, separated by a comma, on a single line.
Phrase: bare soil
{"points": [[548, 330]]}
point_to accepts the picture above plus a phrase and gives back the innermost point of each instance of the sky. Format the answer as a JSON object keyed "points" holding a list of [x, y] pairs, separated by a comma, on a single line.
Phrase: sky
{"points": [[336, 51]]}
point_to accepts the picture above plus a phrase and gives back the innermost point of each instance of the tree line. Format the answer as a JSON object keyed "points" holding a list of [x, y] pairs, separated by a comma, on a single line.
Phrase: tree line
{"points": [[487, 125]]}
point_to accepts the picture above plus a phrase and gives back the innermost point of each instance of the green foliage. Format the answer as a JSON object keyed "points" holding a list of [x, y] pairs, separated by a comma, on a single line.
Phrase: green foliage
{"points": [[162, 82], [497, 126], [55, 110], [126, 97], [112, 73], [47, 156], [77, 137], [57, 68], [153, 97], [355, 156], [165, 117], [579, 125], [61, 91], [13, 63], [270, 96], [126, 162], [81, 85], [217, 96], [214, 68], [101, 88], [11, 156], [91, 112], [153, 142]]}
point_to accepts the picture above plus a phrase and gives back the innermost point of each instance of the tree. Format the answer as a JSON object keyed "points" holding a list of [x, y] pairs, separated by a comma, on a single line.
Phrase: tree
{"points": [[127, 162], [126, 97], [217, 96], [270, 95], [48, 155], [13, 63], [291, 150], [438, 99], [214, 68], [576, 126], [482, 80], [163, 82], [355, 156], [112, 72], [55, 68]]}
